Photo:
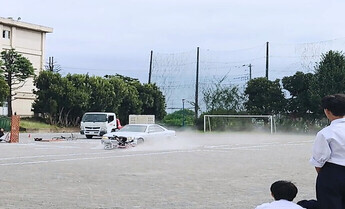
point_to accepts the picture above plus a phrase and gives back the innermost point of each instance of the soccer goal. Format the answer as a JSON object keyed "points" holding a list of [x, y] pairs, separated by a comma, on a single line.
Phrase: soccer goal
{"points": [[241, 122]]}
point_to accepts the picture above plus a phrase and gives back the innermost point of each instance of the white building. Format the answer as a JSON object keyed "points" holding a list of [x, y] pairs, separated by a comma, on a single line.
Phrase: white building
{"points": [[29, 40]]}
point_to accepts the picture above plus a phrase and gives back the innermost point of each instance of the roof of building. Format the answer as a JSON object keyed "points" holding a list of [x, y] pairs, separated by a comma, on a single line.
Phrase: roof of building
{"points": [[17, 23]]}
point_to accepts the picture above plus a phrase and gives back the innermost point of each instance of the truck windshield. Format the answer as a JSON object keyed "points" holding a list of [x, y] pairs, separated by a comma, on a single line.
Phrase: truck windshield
{"points": [[94, 118]]}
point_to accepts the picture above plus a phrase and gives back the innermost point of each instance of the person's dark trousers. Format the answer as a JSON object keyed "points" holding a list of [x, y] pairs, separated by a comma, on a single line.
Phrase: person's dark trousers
{"points": [[309, 204], [330, 187]]}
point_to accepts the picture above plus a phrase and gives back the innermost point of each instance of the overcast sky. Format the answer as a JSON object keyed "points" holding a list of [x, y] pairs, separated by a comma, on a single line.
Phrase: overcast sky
{"points": [[116, 36]]}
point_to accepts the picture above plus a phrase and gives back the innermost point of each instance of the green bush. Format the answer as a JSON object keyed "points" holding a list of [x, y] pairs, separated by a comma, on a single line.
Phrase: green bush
{"points": [[176, 118]]}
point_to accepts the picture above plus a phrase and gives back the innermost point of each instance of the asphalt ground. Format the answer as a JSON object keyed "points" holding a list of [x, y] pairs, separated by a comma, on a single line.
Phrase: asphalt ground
{"points": [[195, 170]]}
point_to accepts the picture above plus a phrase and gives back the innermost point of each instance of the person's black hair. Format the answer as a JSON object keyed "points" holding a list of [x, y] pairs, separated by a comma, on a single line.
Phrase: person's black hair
{"points": [[334, 103], [283, 190]]}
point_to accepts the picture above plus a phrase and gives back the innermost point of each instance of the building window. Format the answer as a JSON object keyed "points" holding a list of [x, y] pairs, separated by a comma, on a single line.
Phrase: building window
{"points": [[6, 34]]}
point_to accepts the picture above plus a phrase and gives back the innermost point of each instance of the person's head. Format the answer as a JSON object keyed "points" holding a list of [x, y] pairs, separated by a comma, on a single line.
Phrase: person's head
{"points": [[334, 105], [283, 190]]}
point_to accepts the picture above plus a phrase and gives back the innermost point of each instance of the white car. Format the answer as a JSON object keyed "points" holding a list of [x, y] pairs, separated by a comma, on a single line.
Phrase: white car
{"points": [[137, 133]]}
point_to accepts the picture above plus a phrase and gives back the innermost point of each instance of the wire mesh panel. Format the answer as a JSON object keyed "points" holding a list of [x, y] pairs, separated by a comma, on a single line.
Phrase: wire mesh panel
{"points": [[239, 122], [175, 73]]}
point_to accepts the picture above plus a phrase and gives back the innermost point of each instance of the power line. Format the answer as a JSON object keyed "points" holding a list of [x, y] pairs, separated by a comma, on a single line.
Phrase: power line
{"points": [[100, 69], [315, 42]]}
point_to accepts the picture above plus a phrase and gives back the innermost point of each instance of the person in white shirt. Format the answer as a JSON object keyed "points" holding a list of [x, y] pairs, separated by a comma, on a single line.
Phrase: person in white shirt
{"points": [[328, 155], [283, 193]]}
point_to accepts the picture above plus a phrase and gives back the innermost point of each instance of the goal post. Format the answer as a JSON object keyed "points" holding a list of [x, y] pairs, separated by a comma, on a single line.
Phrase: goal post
{"points": [[207, 120]]}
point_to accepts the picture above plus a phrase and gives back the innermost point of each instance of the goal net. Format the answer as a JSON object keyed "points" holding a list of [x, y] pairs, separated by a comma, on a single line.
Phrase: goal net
{"points": [[239, 123]]}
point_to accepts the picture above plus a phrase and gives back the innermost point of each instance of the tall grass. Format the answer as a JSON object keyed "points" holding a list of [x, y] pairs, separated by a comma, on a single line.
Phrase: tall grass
{"points": [[32, 124]]}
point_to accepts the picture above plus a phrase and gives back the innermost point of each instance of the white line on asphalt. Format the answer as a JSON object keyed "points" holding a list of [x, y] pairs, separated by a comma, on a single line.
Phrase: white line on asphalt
{"points": [[94, 158], [40, 156], [229, 147]]}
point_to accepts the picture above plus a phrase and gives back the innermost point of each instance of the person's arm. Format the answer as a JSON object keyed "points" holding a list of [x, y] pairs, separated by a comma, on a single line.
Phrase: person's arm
{"points": [[321, 152]]}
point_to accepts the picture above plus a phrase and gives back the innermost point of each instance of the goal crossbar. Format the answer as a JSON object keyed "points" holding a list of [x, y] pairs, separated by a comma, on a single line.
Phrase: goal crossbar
{"points": [[270, 117]]}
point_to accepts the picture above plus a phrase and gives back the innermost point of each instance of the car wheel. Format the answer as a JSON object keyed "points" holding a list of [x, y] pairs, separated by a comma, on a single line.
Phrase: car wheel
{"points": [[89, 136], [140, 140]]}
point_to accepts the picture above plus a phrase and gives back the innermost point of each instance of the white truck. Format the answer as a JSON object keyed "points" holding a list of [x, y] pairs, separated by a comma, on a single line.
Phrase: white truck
{"points": [[98, 123]]}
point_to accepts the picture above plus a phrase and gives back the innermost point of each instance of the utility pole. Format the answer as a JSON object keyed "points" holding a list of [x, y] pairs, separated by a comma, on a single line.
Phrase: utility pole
{"points": [[197, 84], [183, 113], [250, 71], [150, 70], [267, 55], [51, 64]]}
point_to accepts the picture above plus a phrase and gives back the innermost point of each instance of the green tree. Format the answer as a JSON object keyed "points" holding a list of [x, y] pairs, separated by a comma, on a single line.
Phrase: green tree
{"points": [[264, 96], [222, 97], [101, 94], [59, 99], [48, 95], [137, 98], [79, 91], [153, 100], [130, 102], [119, 86], [330, 73], [329, 76], [73, 99], [15, 69], [176, 118], [301, 88], [63, 100], [4, 89]]}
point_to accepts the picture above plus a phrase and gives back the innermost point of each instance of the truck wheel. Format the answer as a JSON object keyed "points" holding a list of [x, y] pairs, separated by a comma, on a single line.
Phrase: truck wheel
{"points": [[89, 136]]}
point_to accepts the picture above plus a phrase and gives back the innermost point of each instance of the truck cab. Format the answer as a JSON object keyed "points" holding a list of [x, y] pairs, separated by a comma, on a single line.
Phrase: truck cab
{"points": [[98, 123]]}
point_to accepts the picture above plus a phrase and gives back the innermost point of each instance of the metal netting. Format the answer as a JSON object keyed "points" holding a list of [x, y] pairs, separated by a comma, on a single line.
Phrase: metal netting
{"points": [[175, 73]]}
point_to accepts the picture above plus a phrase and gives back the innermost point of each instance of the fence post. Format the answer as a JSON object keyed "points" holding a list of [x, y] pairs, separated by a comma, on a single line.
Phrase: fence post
{"points": [[15, 119]]}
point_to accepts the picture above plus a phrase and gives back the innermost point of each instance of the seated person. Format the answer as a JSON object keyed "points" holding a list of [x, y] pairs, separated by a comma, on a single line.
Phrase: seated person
{"points": [[1, 134], [283, 193]]}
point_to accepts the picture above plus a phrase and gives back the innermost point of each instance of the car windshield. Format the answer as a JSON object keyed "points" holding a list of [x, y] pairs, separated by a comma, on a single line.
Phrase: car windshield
{"points": [[133, 128], [94, 118]]}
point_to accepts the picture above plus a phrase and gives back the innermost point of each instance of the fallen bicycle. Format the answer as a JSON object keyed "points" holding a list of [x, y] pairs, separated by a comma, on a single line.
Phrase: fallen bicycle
{"points": [[118, 143], [57, 138]]}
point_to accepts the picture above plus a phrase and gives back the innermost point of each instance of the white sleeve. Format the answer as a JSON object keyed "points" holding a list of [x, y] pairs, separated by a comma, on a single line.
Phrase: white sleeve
{"points": [[263, 206], [321, 151]]}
